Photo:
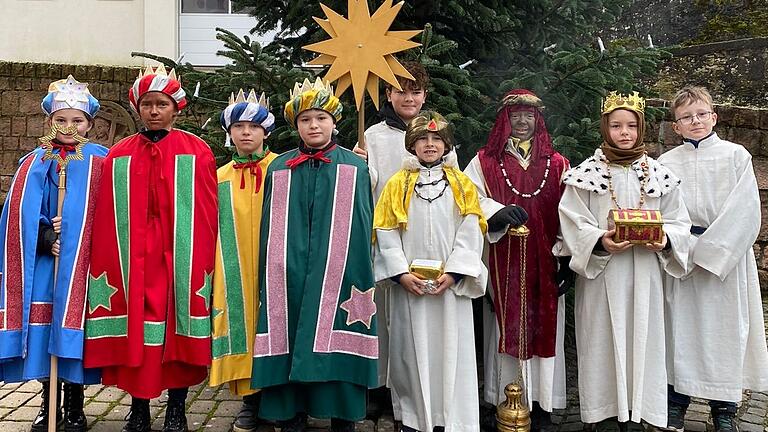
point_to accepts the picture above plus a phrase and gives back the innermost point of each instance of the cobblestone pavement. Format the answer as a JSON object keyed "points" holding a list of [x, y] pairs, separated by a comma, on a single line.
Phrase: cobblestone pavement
{"points": [[214, 409]]}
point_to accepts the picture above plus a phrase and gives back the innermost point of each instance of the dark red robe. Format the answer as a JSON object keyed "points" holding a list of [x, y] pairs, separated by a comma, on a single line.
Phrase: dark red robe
{"points": [[544, 224]]}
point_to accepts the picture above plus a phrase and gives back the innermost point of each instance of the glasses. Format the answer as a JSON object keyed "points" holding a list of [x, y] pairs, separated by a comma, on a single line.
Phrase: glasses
{"points": [[690, 119]]}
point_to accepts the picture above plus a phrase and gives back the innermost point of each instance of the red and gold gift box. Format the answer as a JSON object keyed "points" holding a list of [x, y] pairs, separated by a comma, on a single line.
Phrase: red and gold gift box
{"points": [[637, 226]]}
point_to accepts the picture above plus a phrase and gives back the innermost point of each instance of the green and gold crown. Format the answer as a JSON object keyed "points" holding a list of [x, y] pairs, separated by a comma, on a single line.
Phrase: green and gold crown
{"points": [[615, 100]]}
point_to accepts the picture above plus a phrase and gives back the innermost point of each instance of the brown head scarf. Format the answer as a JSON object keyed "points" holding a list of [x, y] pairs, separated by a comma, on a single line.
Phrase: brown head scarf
{"points": [[636, 105]]}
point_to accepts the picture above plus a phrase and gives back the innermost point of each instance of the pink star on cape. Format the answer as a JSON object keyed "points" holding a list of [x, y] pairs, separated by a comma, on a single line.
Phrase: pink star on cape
{"points": [[360, 307]]}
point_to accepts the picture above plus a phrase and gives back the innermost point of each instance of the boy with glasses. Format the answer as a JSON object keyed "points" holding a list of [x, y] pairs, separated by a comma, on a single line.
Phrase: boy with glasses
{"points": [[714, 318]]}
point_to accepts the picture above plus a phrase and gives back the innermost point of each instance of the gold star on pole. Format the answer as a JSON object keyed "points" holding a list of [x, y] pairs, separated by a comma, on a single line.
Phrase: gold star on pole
{"points": [[361, 48]]}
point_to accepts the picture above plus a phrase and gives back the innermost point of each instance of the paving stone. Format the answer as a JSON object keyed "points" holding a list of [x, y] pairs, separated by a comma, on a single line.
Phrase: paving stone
{"points": [[759, 396], [318, 423], [25, 414], [156, 411], [763, 405], [385, 424], [12, 386], [207, 394], [697, 416], [107, 426], [228, 408], [695, 426], [158, 424], [218, 424], [91, 420], [749, 427], [202, 406], [572, 427], [4, 412], [196, 421], [91, 390], [4, 393], [8, 426], [35, 401], [110, 394], [698, 407], [96, 409], [365, 426], [225, 395], [30, 387], [117, 412], [751, 418], [14, 400]]}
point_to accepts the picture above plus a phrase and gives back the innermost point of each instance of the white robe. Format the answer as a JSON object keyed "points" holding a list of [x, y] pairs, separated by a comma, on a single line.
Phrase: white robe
{"points": [[716, 335], [432, 371], [619, 308], [546, 376], [386, 151]]}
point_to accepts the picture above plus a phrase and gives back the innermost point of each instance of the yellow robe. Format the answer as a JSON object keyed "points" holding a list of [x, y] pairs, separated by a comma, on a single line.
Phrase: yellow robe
{"points": [[235, 279]]}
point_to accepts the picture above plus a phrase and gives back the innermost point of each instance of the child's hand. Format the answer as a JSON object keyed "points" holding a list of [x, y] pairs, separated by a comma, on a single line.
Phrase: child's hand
{"points": [[360, 152], [56, 224], [56, 248], [613, 247], [444, 282], [412, 284], [657, 247]]}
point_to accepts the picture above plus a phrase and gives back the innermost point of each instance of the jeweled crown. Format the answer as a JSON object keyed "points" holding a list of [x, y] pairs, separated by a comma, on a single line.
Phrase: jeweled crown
{"points": [[615, 100]]}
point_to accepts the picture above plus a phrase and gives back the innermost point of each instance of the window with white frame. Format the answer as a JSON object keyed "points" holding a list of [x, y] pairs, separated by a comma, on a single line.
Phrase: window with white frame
{"points": [[198, 20]]}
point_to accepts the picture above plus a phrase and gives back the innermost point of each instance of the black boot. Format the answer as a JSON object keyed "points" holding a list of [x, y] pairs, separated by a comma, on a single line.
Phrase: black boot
{"points": [[138, 417], [541, 420], [247, 419], [40, 424], [175, 412], [297, 424], [341, 425], [74, 417]]}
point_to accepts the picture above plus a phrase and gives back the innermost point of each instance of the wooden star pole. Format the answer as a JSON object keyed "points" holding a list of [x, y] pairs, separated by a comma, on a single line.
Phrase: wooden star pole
{"points": [[361, 51], [53, 378]]}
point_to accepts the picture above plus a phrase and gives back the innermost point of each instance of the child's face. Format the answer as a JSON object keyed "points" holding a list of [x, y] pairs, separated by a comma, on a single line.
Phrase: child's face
{"points": [[247, 136], [622, 127], [429, 148], [67, 117], [695, 120], [407, 102], [315, 127], [157, 110], [523, 124]]}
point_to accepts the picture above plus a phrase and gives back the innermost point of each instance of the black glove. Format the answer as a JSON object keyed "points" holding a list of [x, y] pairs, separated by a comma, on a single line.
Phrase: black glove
{"points": [[46, 237], [510, 215], [565, 276]]}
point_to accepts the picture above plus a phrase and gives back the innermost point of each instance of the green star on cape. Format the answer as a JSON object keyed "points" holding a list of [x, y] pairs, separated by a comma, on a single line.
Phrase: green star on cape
{"points": [[205, 290], [100, 293]]}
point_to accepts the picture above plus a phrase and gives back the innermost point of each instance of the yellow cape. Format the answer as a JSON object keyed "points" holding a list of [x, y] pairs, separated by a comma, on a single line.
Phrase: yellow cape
{"points": [[392, 208]]}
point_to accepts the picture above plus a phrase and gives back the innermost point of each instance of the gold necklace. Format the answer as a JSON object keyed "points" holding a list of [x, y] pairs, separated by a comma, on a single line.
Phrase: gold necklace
{"points": [[643, 181]]}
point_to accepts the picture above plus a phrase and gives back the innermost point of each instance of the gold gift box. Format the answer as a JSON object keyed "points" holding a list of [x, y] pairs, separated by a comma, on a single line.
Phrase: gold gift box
{"points": [[425, 269], [637, 226]]}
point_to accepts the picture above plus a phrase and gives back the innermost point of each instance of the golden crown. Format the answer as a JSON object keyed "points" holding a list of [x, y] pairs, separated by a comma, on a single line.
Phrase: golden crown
{"points": [[319, 84], [160, 70], [250, 98], [615, 100]]}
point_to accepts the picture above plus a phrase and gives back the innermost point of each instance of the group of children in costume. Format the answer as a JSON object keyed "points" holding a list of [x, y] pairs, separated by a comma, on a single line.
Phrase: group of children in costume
{"points": [[296, 277]]}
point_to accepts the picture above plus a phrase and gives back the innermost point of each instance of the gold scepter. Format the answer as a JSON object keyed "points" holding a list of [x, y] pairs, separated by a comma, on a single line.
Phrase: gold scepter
{"points": [[53, 379], [513, 415], [360, 52]]}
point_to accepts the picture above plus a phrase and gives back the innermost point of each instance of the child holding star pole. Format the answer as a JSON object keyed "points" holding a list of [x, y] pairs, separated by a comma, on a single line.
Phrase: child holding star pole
{"points": [[45, 242]]}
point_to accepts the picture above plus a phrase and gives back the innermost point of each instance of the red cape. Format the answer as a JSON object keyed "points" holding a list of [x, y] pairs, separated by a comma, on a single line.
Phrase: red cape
{"points": [[154, 234]]}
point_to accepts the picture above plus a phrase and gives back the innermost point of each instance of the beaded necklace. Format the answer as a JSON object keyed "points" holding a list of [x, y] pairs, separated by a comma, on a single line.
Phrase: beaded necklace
{"points": [[432, 183], [643, 181], [514, 189]]}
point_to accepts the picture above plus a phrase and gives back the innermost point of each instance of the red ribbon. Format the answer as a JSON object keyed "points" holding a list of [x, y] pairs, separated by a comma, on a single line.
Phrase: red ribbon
{"points": [[255, 169], [303, 157]]}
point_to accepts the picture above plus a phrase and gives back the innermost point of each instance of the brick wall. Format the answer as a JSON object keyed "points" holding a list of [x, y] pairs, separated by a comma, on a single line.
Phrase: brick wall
{"points": [[745, 126], [22, 88]]}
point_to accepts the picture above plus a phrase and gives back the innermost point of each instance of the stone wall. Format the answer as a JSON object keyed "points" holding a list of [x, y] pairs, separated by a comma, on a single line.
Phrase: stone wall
{"points": [[22, 88], [745, 126]]}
